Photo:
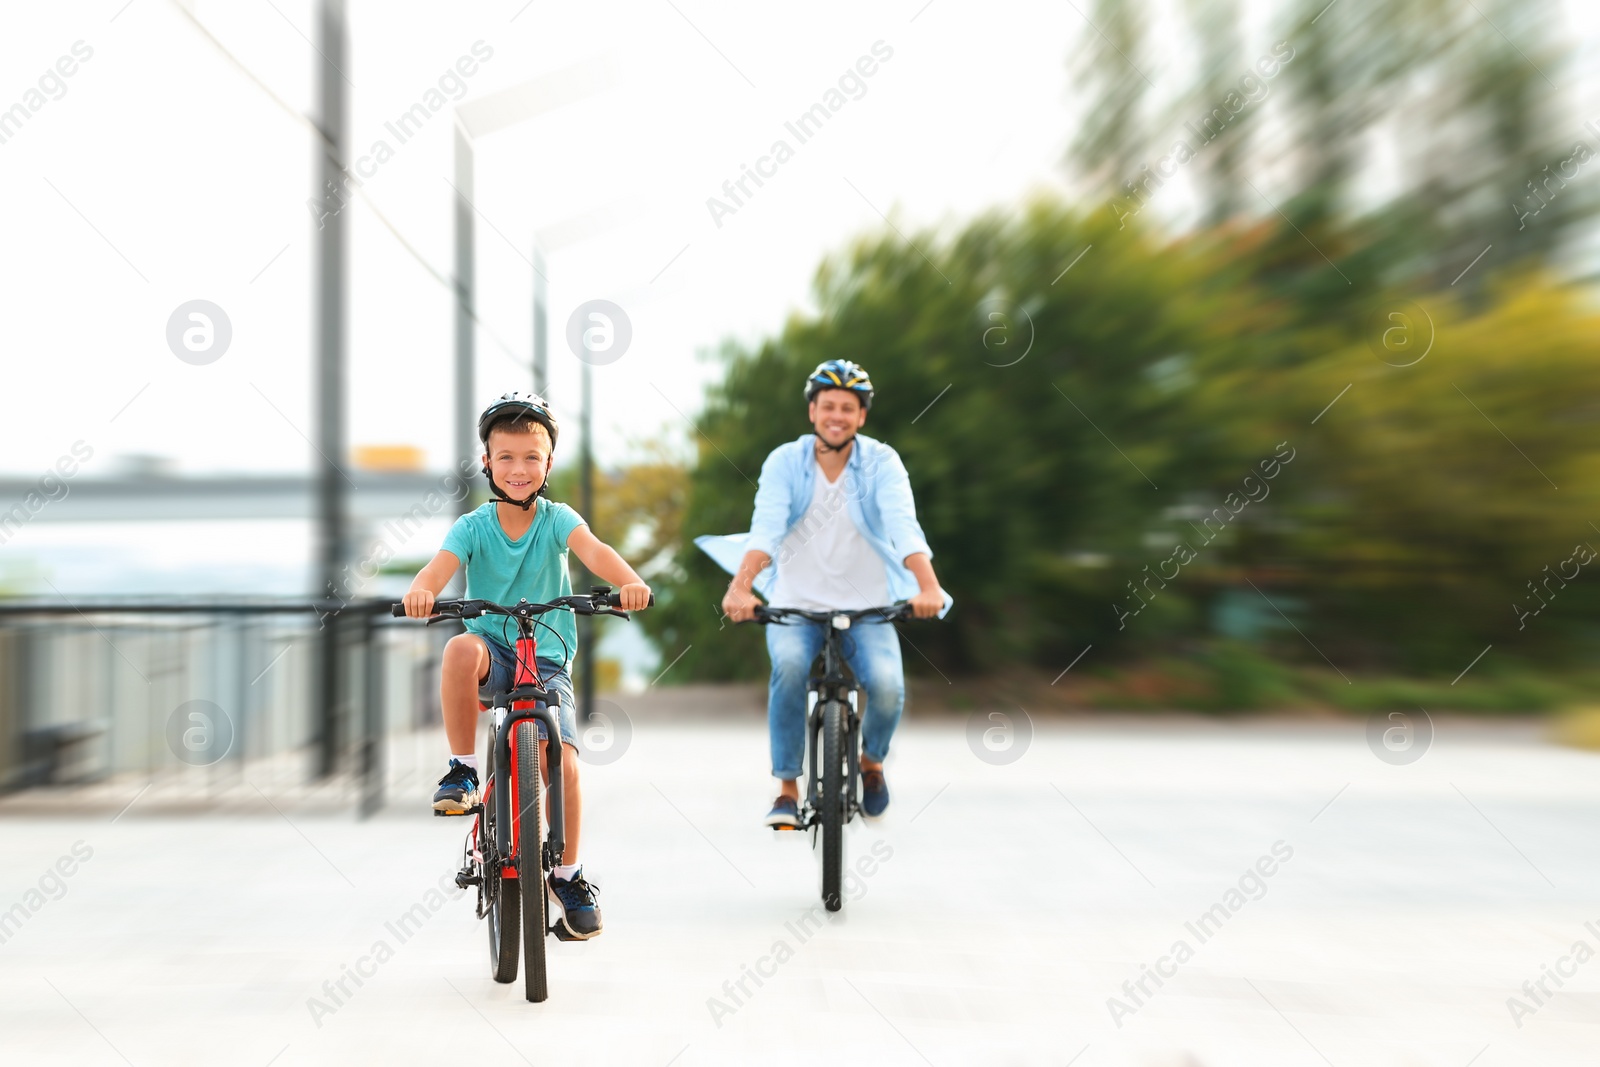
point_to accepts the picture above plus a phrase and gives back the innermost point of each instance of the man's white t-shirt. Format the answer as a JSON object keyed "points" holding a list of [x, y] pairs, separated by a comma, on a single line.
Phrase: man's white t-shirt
{"points": [[824, 563]]}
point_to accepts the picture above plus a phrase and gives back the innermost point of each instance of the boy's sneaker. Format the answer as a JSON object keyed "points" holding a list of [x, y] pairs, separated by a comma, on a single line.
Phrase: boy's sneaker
{"points": [[574, 899], [785, 814], [458, 790], [874, 792]]}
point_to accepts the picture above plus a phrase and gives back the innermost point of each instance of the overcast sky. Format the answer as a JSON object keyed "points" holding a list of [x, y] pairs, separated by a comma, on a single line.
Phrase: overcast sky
{"points": [[163, 174]]}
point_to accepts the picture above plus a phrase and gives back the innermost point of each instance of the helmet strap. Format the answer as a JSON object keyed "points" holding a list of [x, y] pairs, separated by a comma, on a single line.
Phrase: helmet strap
{"points": [[826, 447]]}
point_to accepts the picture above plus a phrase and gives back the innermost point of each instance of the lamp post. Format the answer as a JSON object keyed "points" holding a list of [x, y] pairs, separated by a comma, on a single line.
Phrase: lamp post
{"points": [[465, 257], [586, 661], [332, 531], [541, 325], [475, 120]]}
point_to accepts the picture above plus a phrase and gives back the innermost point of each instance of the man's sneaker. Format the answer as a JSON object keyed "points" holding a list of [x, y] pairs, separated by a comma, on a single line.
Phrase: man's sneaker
{"points": [[785, 814], [575, 901], [458, 790], [874, 792]]}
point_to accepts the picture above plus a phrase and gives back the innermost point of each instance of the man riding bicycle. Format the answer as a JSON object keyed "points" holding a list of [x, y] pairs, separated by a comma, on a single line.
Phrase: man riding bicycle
{"points": [[836, 524]]}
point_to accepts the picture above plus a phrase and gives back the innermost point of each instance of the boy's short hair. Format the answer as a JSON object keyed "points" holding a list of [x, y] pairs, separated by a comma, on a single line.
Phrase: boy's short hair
{"points": [[518, 424]]}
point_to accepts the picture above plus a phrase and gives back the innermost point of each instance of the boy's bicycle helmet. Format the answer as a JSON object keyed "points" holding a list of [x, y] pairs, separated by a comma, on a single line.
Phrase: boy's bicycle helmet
{"points": [[840, 374], [518, 406]]}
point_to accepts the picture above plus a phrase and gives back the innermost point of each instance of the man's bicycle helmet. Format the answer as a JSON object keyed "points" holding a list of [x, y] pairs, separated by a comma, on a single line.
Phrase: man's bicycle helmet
{"points": [[517, 407], [840, 374]]}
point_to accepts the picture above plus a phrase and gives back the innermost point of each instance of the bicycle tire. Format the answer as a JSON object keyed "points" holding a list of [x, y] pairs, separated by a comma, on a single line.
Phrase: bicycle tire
{"points": [[833, 801], [505, 901], [530, 869]]}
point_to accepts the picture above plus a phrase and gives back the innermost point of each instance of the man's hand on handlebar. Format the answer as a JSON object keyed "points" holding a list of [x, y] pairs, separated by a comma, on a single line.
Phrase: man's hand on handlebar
{"points": [[927, 604], [419, 604], [740, 605]]}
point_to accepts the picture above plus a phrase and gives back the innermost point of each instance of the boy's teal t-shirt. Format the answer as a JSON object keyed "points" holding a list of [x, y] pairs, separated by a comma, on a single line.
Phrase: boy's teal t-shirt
{"points": [[533, 567]]}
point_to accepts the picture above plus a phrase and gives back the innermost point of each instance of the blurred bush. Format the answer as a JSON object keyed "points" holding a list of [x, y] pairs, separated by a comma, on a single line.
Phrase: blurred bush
{"points": [[1399, 534]]}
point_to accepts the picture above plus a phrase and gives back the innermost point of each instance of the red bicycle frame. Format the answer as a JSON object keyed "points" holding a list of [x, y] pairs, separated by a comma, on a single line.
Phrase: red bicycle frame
{"points": [[527, 700]]}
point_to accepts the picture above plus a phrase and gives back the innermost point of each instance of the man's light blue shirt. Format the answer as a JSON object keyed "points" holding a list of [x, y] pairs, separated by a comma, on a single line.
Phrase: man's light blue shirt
{"points": [[878, 498]]}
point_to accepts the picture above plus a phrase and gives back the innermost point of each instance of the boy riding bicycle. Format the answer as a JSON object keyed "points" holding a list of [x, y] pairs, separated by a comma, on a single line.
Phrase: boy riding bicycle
{"points": [[514, 548], [835, 516]]}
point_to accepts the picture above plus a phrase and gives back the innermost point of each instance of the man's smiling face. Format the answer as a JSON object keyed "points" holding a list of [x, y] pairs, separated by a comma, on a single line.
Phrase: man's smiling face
{"points": [[837, 415], [519, 462]]}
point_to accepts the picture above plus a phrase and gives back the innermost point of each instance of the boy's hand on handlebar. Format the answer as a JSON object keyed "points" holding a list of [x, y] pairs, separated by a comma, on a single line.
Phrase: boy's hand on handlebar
{"points": [[927, 604], [635, 596], [740, 606], [419, 604]]}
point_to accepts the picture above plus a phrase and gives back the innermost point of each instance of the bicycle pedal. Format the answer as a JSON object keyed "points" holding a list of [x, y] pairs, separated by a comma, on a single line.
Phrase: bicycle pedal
{"points": [[562, 933], [474, 810]]}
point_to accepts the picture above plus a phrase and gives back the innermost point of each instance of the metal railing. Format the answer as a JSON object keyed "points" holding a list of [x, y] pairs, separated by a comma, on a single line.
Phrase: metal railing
{"points": [[207, 699]]}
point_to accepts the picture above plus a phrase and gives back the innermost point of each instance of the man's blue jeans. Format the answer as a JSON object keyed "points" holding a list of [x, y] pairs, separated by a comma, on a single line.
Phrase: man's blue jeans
{"points": [[872, 649]]}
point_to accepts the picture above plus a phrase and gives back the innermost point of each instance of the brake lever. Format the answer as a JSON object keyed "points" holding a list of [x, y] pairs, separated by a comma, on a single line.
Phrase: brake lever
{"points": [[444, 616], [606, 610]]}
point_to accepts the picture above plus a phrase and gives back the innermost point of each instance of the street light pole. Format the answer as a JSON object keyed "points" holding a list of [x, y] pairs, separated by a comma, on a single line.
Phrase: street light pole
{"points": [[466, 428], [330, 377], [586, 663], [541, 326]]}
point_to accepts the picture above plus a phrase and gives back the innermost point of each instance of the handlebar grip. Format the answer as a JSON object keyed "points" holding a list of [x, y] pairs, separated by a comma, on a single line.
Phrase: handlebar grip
{"points": [[442, 609], [614, 600]]}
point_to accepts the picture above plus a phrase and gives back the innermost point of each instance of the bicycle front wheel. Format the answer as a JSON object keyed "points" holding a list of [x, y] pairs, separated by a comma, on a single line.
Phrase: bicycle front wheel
{"points": [[833, 802], [530, 849], [503, 896]]}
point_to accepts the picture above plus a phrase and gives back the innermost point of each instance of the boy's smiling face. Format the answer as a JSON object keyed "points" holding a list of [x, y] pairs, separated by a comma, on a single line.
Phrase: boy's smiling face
{"points": [[519, 462]]}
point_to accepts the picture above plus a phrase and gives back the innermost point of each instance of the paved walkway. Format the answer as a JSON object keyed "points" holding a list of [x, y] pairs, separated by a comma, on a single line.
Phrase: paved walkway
{"points": [[1304, 902]]}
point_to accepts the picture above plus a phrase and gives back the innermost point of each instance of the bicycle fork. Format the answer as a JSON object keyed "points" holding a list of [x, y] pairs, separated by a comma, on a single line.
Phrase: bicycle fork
{"points": [[852, 744], [555, 840]]}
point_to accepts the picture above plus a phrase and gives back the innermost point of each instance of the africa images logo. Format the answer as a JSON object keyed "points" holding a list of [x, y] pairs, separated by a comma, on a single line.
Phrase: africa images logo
{"points": [[52, 82], [806, 125], [1250, 886]]}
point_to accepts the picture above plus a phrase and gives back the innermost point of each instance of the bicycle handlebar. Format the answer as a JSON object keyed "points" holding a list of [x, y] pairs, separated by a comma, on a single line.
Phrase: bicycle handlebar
{"points": [[893, 613], [600, 602]]}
